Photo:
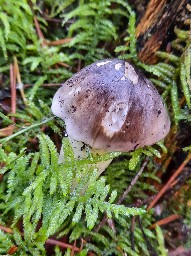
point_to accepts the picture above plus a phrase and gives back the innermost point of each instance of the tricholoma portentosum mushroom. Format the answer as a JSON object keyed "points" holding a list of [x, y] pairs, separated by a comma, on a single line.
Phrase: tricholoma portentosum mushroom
{"points": [[111, 106]]}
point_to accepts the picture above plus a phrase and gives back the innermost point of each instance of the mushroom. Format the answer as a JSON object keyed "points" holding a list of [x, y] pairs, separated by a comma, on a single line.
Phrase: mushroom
{"points": [[111, 106]]}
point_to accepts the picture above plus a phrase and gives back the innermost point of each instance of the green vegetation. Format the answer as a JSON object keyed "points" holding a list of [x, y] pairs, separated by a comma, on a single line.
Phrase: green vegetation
{"points": [[38, 196]]}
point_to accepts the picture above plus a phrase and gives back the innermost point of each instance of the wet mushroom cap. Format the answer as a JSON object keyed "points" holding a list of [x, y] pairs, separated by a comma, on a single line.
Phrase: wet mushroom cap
{"points": [[110, 105]]}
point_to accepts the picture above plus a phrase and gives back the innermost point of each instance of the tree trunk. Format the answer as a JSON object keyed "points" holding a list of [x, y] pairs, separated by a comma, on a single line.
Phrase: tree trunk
{"points": [[156, 24]]}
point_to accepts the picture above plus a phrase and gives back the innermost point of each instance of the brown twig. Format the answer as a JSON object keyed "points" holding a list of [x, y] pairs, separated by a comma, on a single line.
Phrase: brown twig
{"points": [[62, 245], [168, 184], [13, 90], [44, 42], [12, 250], [59, 42], [7, 230], [166, 220], [133, 182], [48, 241], [150, 248], [63, 64], [39, 31], [132, 231], [73, 251], [102, 223], [19, 82]]}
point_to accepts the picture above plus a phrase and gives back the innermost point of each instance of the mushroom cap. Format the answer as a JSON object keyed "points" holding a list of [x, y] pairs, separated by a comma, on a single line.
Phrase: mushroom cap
{"points": [[112, 106]]}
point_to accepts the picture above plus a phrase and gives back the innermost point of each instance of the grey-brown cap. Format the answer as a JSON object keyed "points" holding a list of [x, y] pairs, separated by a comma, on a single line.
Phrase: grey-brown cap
{"points": [[110, 105]]}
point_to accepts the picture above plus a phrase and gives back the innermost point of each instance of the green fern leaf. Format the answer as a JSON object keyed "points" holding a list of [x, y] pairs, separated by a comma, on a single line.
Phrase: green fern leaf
{"points": [[35, 87], [163, 251], [4, 19], [2, 44], [175, 102]]}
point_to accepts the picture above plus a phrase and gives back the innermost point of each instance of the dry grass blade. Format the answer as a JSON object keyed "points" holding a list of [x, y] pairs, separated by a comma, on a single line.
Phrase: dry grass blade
{"points": [[13, 90]]}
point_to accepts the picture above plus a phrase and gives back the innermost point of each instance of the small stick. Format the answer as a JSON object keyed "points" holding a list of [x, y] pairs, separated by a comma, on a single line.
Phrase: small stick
{"points": [[63, 64], [133, 182], [124, 194], [62, 245], [48, 241], [44, 42], [149, 246], [101, 224], [39, 32], [7, 230], [20, 84], [166, 220], [13, 91], [132, 230], [60, 42], [173, 177], [73, 249], [12, 250]]}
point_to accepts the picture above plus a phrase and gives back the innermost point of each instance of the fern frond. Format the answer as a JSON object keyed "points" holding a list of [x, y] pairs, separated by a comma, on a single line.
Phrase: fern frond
{"points": [[59, 6], [129, 50], [185, 66], [5, 118], [5, 242], [163, 251], [3, 45], [4, 19], [38, 83]]}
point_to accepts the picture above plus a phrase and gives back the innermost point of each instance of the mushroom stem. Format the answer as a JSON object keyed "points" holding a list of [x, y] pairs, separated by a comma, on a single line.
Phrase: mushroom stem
{"points": [[80, 153], [102, 166]]}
